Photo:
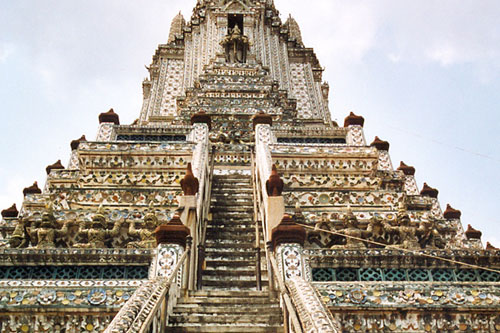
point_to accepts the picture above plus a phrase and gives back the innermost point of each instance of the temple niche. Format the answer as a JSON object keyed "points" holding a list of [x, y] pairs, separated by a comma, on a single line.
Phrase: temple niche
{"points": [[235, 204]]}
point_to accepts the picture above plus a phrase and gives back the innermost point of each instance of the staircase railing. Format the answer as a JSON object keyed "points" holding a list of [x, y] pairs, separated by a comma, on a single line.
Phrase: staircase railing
{"points": [[261, 172], [203, 218], [147, 310], [258, 273], [290, 319]]}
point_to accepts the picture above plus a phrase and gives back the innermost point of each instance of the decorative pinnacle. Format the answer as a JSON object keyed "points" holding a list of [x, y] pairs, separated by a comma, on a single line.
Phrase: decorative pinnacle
{"points": [[56, 166], [109, 117], [407, 170], [428, 191], [274, 185], [33, 189], [472, 233], [380, 144], [190, 184], [451, 213], [11, 212], [353, 119], [75, 143]]}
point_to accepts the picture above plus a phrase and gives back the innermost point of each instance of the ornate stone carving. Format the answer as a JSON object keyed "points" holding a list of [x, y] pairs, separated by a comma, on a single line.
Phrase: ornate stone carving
{"points": [[146, 234], [236, 46], [48, 234], [313, 314], [97, 235]]}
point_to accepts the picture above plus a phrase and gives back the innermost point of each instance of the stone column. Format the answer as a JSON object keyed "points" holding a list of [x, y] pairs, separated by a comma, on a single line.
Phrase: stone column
{"points": [[106, 128], [171, 240], [288, 242], [355, 136]]}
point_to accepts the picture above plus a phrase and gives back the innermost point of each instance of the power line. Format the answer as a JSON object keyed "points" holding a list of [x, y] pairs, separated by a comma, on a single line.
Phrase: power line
{"points": [[445, 144]]}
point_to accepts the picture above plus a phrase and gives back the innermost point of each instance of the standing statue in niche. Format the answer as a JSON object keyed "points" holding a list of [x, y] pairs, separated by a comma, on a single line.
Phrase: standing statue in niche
{"points": [[236, 46]]}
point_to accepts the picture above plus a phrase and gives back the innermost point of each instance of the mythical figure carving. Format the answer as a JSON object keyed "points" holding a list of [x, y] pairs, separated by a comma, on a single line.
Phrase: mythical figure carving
{"points": [[44, 235], [429, 235], [20, 236], [321, 238], [377, 231], [236, 46], [406, 234], [48, 235], [97, 235], [146, 234], [352, 231]]}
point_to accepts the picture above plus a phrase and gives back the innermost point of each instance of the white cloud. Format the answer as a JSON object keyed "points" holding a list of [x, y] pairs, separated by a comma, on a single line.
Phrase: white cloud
{"points": [[445, 55], [6, 50], [339, 30], [421, 32], [394, 57], [441, 31]]}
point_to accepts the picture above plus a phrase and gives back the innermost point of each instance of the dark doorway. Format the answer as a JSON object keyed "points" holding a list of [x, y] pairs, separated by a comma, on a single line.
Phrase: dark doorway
{"points": [[235, 19]]}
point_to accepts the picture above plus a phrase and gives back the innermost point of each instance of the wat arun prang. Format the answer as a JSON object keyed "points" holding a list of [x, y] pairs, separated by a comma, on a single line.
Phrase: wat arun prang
{"points": [[234, 204]]}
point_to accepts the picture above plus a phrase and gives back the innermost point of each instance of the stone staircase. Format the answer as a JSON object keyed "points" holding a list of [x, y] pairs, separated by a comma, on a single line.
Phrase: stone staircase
{"points": [[229, 301]]}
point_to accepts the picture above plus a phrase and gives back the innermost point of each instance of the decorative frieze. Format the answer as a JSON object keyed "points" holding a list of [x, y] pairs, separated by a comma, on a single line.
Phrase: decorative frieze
{"points": [[414, 295]]}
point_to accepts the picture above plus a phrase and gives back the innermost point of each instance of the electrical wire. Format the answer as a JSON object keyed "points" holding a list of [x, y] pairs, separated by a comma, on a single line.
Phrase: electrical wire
{"points": [[423, 137]]}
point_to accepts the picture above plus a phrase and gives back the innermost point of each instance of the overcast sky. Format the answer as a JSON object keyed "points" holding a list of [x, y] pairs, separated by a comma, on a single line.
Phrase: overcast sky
{"points": [[425, 75]]}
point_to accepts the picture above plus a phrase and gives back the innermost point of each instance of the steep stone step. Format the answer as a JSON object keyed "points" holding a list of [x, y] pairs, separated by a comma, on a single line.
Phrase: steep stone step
{"points": [[225, 178], [231, 285], [230, 264], [218, 198], [225, 301], [235, 219], [228, 301], [254, 309], [233, 209], [246, 295], [234, 229], [231, 216], [232, 184], [223, 234], [228, 245], [233, 176], [224, 319], [227, 328], [222, 272], [229, 252], [232, 190]]}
